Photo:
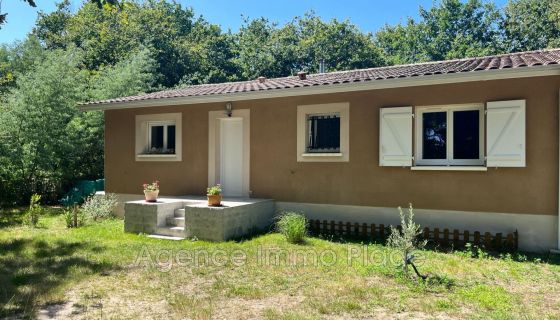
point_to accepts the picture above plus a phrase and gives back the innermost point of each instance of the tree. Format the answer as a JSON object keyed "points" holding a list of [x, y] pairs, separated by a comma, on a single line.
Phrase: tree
{"points": [[266, 50], [34, 123], [186, 50], [52, 28], [16, 59], [45, 142], [129, 77], [99, 3], [341, 45], [531, 25], [450, 29]]}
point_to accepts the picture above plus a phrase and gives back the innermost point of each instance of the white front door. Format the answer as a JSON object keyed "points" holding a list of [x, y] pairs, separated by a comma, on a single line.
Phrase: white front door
{"points": [[231, 156]]}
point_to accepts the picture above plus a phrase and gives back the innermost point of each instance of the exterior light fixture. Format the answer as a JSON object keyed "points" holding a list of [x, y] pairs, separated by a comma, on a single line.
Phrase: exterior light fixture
{"points": [[228, 109]]}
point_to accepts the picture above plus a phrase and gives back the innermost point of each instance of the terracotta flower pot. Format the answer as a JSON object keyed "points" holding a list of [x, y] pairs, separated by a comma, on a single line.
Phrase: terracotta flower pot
{"points": [[151, 196], [214, 200]]}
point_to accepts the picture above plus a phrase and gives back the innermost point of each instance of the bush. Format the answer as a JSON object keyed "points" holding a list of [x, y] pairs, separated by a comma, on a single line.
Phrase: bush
{"points": [[34, 212], [100, 206], [293, 226], [74, 217]]}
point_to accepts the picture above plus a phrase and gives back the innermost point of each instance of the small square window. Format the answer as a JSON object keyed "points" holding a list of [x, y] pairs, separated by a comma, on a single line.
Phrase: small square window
{"points": [[161, 138], [323, 133]]}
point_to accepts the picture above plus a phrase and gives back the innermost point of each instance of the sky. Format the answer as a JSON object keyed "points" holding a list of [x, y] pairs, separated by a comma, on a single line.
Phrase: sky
{"points": [[368, 15]]}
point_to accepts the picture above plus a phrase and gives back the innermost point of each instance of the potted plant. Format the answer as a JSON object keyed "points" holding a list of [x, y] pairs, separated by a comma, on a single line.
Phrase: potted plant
{"points": [[151, 191], [214, 195]]}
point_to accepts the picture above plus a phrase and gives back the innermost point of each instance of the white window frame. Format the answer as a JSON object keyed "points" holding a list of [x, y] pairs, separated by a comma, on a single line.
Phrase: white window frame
{"points": [[449, 161], [142, 136], [308, 131], [303, 111], [165, 125]]}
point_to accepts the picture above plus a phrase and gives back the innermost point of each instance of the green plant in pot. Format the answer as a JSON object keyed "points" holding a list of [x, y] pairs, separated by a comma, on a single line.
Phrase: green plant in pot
{"points": [[214, 194], [151, 191]]}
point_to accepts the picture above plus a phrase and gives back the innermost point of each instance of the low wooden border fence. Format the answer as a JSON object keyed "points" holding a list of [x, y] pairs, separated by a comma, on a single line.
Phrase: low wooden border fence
{"points": [[445, 237]]}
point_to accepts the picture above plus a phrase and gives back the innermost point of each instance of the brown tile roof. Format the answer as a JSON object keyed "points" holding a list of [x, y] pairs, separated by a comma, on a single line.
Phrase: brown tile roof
{"points": [[497, 62]]}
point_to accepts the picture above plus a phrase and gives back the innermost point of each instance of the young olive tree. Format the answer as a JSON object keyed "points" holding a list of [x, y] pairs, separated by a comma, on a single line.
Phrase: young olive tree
{"points": [[406, 239]]}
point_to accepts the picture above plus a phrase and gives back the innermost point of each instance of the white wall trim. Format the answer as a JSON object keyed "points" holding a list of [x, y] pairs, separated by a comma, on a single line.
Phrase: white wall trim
{"points": [[214, 146], [537, 71]]}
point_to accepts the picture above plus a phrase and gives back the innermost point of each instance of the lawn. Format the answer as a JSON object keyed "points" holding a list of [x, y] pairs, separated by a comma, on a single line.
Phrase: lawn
{"points": [[98, 272]]}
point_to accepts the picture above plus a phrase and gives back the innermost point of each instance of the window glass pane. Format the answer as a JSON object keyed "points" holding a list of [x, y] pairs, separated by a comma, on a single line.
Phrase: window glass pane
{"points": [[434, 137], [324, 133], [171, 139], [466, 134], [156, 138]]}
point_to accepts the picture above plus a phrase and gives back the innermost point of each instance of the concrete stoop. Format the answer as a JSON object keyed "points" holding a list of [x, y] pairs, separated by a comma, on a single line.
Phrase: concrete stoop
{"points": [[180, 218]]}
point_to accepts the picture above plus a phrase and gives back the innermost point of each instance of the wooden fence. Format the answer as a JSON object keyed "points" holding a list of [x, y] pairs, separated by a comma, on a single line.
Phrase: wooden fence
{"points": [[444, 238]]}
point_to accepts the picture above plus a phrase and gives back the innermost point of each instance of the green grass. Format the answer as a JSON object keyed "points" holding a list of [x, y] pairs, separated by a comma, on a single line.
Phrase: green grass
{"points": [[95, 272]]}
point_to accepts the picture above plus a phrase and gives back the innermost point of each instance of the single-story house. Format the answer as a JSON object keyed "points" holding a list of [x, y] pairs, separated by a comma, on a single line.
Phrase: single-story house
{"points": [[471, 143]]}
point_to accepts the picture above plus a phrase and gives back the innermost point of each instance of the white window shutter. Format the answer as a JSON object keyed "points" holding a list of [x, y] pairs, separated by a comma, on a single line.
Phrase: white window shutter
{"points": [[395, 137], [505, 134]]}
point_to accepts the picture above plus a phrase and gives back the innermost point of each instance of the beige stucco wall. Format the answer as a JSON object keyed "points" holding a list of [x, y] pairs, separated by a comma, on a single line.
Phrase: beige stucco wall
{"points": [[276, 174]]}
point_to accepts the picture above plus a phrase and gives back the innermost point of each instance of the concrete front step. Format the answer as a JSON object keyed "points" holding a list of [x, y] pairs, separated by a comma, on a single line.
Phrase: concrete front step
{"points": [[171, 231], [175, 221], [179, 213]]}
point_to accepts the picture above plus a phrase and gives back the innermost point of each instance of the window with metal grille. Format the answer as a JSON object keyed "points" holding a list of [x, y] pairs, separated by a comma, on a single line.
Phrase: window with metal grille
{"points": [[323, 133]]}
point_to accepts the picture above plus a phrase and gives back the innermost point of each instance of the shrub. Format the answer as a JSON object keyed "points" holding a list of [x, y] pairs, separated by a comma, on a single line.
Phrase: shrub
{"points": [[74, 217], [406, 240], [293, 226], [100, 206], [34, 212]]}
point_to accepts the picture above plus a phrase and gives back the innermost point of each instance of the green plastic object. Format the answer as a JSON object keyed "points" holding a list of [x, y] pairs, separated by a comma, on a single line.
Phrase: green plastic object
{"points": [[81, 191]]}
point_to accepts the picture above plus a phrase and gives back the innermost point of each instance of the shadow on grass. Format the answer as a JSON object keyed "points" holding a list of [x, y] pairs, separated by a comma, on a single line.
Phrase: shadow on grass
{"points": [[16, 216], [30, 269], [11, 217]]}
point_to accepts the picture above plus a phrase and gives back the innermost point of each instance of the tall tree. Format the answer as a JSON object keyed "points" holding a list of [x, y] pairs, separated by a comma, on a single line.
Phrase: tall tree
{"points": [[341, 45], [34, 122], [16, 59], [264, 49], [99, 3], [531, 24], [450, 29]]}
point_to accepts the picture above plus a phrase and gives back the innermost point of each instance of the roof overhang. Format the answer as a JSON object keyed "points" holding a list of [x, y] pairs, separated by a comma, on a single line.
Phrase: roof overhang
{"points": [[449, 78]]}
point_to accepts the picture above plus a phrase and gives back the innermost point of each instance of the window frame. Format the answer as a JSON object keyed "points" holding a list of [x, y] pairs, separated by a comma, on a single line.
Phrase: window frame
{"points": [[343, 109], [449, 160], [142, 134], [308, 132], [165, 125]]}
